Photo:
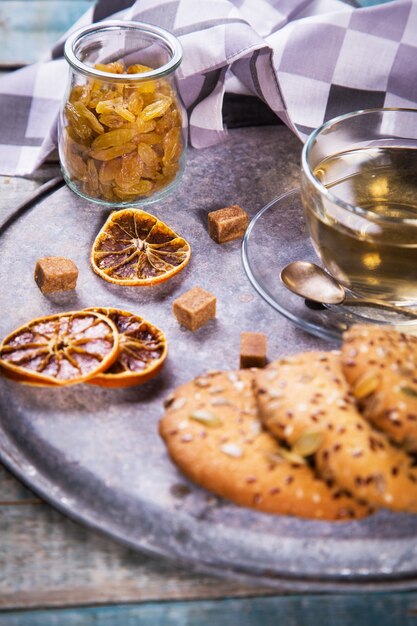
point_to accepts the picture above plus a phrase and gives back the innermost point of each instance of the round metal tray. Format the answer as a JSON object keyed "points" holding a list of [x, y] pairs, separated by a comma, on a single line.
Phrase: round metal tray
{"points": [[95, 454]]}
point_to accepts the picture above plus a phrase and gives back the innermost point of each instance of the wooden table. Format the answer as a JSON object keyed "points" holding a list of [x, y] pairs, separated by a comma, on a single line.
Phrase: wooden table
{"points": [[53, 571]]}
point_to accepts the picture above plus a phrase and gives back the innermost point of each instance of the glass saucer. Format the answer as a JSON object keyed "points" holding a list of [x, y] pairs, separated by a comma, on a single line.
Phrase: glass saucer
{"points": [[278, 235]]}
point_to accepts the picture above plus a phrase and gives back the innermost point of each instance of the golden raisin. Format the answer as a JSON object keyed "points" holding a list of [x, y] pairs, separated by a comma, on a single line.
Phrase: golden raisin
{"points": [[122, 141]]}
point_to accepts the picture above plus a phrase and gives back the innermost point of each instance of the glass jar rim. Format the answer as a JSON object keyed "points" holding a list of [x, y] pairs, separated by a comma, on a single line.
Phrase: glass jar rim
{"points": [[331, 197], [159, 33]]}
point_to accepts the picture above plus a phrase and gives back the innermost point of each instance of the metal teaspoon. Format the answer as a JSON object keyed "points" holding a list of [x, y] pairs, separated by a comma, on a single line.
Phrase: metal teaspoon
{"points": [[310, 281]]}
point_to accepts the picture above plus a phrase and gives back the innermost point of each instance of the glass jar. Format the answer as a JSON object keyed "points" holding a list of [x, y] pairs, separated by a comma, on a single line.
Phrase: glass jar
{"points": [[121, 135]]}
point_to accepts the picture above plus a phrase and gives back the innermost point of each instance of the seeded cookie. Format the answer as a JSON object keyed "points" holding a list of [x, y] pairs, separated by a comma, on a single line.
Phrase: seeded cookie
{"points": [[214, 436], [381, 366], [305, 401]]}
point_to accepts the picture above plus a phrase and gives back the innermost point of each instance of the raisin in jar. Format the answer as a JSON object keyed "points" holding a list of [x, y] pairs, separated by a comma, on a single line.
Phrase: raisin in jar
{"points": [[121, 131]]}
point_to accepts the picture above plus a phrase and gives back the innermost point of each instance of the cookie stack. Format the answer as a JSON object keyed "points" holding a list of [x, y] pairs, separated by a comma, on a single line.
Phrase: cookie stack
{"points": [[321, 435]]}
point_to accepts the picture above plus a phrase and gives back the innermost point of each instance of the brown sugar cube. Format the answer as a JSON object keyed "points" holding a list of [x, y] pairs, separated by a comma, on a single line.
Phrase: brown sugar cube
{"points": [[55, 273], [252, 350], [195, 308], [227, 224]]}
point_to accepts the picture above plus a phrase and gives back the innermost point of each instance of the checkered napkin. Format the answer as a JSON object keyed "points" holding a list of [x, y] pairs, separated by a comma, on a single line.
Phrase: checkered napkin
{"points": [[308, 60]]}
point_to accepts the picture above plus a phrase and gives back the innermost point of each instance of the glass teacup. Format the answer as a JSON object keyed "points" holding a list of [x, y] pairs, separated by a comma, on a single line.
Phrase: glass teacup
{"points": [[359, 192]]}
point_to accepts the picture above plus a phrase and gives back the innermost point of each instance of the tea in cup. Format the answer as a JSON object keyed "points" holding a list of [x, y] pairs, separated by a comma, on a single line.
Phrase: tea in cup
{"points": [[359, 192]]}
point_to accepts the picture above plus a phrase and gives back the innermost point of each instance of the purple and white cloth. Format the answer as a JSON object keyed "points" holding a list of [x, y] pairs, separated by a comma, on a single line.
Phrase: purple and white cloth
{"points": [[308, 60]]}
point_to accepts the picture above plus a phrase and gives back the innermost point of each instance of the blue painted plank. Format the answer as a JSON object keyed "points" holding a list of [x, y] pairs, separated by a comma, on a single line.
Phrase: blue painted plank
{"points": [[319, 610], [28, 29], [369, 3]]}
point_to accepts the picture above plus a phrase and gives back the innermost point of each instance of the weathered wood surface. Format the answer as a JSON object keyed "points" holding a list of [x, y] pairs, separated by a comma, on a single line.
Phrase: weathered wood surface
{"points": [[48, 560], [349, 610], [29, 28]]}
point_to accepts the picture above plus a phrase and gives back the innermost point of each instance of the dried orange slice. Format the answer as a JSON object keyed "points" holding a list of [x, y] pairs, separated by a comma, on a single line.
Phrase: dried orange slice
{"points": [[142, 351], [61, 349], [27, 380], [135, 248]]}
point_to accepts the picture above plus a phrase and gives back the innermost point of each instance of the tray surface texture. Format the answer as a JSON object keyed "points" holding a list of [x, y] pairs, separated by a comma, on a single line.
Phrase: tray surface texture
{"points": [[95, 453]]}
